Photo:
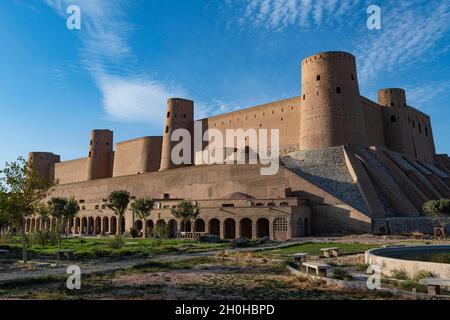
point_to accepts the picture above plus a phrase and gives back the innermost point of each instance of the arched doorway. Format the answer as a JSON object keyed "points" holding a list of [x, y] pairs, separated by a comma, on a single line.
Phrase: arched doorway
{"points": [[263, 228], [105, 225], [71, 225], [84, 225], [33, 225], [138, 225], [280, 229], [150, 228], [246, 228], [113, 229], [77, 225], [98, 225], [214, 227], [185, 226], [90, 225], [161, 230], [122, 222], [173, 229], [199, 225], [229, 229]]}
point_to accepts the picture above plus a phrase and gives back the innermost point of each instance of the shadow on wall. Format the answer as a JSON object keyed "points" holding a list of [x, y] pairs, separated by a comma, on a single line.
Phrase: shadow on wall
{"points": [[333, 219]]}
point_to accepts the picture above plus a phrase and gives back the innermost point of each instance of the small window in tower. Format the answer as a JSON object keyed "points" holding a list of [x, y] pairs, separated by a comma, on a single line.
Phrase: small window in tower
{"points": [[426, 131], [90, 154], [338, 90], [318, 77], [107, 143], [90, 143], [393, 119], [420, 128], [353, 77], [168, 114], [392, 104], [184, 116], [414, 124], [167, 129], [304, 97]]}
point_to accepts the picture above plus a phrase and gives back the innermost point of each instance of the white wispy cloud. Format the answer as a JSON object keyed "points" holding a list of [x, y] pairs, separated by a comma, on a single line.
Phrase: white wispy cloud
{"points": [[421, 95], [105, 33], [411, 32], [280, 14]]}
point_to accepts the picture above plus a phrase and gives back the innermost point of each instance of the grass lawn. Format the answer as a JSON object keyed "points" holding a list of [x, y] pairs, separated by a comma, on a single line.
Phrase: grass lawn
{"points": [[314, 248], [103, 247]]}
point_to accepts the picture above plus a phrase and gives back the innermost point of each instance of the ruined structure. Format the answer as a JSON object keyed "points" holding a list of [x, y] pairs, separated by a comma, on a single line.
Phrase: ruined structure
{"points": [[348, 165]]}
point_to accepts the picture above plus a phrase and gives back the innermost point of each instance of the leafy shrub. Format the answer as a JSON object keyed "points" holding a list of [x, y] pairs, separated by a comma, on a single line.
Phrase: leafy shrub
{"points": [[44, 238], [400, 274], [340, 274], [117, 242], [423, 275], [134, 233], [436, 208], [6, 238], [409, 285]]}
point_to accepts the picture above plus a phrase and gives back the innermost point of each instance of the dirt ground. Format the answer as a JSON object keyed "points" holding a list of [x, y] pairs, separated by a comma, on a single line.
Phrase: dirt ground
{"points": [[197, 279]]}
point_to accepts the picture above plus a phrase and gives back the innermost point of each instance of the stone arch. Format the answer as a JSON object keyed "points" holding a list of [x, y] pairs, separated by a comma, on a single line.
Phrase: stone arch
{"points": [[71, 225], [33, 225], [214, 227], [105, 222], [263, 228], [229, 229], [280, 229], [84, 225], [77, 225], [113, 223], [90, 225], [185, 226], [199, 225], [246, 228], [98, 225], [150, 228], [173, 228], [139, 225]]}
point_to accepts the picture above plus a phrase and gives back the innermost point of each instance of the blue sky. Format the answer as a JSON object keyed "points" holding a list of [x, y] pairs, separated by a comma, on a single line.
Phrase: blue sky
{"points": [[116, 72]]}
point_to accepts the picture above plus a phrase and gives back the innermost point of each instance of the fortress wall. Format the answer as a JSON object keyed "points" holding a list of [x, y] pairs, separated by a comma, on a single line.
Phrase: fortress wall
{"points": [[137, 156], [71, 171], [374, 122], [283, 115], [407, 130], [421, 134]]}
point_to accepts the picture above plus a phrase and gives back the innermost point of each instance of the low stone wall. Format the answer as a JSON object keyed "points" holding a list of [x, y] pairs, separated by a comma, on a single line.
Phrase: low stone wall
{"points": [[398, 226], [388, 265]]}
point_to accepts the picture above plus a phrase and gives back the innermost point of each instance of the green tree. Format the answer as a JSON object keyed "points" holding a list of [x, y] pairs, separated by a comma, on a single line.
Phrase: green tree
{"points": [[63, 210], [23, 192], [186, 211], [437, 208], [118, 202], [142, 208]]}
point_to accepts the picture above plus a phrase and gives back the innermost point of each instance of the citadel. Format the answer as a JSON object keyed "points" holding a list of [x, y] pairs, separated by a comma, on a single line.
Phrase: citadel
{"points": [[347, 165]]}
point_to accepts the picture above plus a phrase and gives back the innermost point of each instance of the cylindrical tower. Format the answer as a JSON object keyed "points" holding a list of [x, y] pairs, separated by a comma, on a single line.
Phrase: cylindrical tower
{"points": [[331, 112], [100, 158], [180, 115], [397, 131], [394, 97], [44, 163]]}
